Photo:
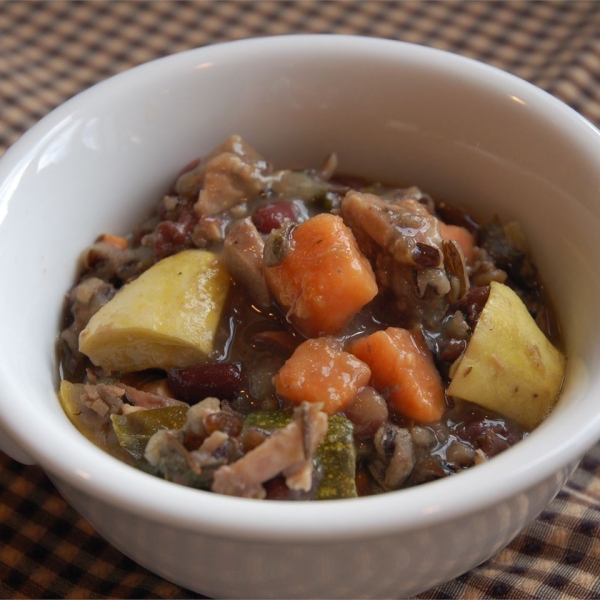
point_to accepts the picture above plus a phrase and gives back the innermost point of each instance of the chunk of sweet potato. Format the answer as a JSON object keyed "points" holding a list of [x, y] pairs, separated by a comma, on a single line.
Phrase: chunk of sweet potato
{"points": [[323, 279], [320, 371], [509, 364], [165, 318], [401, 363]]}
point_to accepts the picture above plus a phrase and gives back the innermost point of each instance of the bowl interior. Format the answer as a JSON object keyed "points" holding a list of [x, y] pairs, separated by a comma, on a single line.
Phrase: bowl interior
{"points": [[460, 130]]}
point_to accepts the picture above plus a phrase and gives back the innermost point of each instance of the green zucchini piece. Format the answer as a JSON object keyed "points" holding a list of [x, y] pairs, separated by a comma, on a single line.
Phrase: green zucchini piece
{"points": [[267, 421], [335, 458], [135, 429]]}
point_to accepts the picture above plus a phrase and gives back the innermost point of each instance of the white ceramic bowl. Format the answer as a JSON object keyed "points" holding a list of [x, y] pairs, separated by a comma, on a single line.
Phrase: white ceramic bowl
{"points": [[461, 130]]}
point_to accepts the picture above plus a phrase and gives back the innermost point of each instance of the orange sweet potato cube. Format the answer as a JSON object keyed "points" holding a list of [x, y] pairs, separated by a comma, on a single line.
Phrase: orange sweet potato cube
{"points": [[320, 371], [324, 279]]}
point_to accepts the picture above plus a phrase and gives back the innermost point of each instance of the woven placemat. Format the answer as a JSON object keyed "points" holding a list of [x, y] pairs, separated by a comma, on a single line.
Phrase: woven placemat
{"points": [[50, 51]]}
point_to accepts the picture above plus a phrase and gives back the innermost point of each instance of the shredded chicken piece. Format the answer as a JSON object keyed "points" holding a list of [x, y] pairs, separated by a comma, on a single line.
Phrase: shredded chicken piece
{"points": [[213, 441], [228, 180], [404, 228], [209, 230], [195, 422], [484, 269], [103, 399], [147, 399], [455, 326], [480, 457], [233, 173], [299, 475], [243, 256], [160, 387], [170, 457], [402, 240], [288, 450], [85, 300], [127, 409], [108, 261], [167, 453]]}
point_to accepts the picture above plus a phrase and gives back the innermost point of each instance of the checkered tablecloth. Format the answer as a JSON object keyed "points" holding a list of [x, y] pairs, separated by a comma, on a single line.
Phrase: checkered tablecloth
{"points": [[49, 51]]}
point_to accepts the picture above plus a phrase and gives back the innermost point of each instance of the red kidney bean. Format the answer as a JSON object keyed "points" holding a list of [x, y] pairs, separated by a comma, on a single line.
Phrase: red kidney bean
{"points": [[490, 434], [273, 215], [473, 303], [174, 236], [219, 380], [493, 443], [169, 237], [452, 349]]}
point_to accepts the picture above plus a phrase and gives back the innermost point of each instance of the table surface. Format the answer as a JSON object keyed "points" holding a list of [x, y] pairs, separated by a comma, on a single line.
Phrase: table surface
{"points": [[50, 51]]}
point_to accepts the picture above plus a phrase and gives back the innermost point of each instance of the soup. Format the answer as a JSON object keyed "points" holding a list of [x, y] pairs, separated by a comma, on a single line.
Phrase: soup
{"points": [[301, 334]]}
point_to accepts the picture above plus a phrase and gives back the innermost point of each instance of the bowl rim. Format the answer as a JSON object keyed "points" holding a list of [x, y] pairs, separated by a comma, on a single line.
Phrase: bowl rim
{"points": [[91, 471]]}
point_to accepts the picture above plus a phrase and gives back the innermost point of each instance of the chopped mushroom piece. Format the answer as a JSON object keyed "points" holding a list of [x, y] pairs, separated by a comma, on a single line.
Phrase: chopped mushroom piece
{"points": [[288, 450]]}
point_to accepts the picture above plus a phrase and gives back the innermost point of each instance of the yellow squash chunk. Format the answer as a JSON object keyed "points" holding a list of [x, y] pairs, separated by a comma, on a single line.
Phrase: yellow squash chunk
{"points": [[70, 396], [509, 365], [90, 423], [165, 318]]}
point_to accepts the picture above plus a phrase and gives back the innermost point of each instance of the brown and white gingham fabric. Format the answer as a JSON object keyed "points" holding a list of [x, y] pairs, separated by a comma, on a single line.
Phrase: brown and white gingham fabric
{"points": [[49, 51]]}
